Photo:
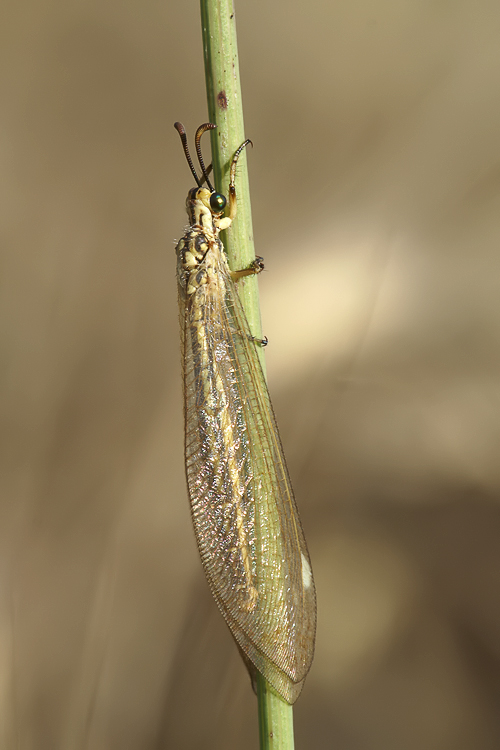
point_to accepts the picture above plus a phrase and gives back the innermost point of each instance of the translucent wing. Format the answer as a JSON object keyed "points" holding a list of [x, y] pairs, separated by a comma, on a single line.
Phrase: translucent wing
{"points": [[244, 513]]}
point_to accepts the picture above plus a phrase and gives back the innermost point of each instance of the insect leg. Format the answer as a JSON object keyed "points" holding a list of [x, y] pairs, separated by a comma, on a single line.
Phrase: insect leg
{"points": [[255, 267], [260, 342], [232, 177]]}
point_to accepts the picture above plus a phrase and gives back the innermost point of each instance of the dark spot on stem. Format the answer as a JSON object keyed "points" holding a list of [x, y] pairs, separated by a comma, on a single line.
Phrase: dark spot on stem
{"points": [[222, 99]]}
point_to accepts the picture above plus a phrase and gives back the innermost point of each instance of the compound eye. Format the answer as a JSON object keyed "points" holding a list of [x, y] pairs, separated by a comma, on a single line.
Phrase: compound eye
{"points": [[217, 203]]}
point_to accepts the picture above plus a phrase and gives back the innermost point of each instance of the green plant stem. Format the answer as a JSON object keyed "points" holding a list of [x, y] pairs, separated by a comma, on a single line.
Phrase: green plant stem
{"points": [[226, 111], [275, 718]]}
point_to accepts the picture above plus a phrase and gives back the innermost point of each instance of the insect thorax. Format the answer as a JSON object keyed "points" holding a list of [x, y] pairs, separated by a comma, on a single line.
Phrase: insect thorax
{"points": [[199, 254], [199, 211], [200, 243]]}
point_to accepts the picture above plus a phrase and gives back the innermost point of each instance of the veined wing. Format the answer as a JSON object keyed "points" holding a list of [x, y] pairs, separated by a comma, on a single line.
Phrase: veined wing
{"points": [[245, 517]]}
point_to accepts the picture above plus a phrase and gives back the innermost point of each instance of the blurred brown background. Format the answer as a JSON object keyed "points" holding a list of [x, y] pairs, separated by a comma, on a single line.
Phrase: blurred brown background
{"points": [[375, 187]]}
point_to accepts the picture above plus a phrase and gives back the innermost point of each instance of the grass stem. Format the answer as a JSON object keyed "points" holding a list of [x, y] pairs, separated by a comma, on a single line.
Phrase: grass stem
{"points": [[225, 109]]}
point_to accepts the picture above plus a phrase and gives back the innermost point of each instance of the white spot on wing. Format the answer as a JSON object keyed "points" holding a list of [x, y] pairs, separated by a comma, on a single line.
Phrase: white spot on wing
{"points": [[306, 572]]}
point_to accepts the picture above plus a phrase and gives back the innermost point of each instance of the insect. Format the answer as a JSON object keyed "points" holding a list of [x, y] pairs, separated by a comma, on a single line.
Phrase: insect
{"points": [[246, 522]]}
